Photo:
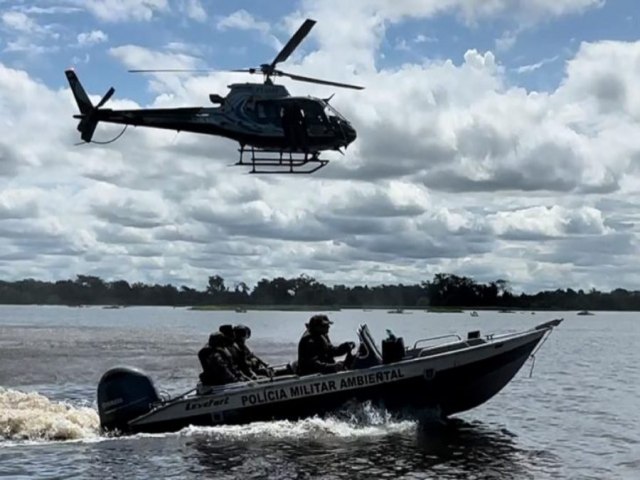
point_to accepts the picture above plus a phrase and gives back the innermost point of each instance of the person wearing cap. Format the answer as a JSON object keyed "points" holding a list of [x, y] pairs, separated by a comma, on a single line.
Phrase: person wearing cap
{"points": [[216, 361], [248, 362], [315, 351]]}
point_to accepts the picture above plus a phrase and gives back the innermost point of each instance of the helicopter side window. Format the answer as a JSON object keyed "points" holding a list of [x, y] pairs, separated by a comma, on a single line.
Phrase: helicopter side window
{"points": [[268, 111]]}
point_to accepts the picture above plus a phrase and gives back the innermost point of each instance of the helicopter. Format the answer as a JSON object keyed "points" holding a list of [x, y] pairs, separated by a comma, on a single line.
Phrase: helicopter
{"points": [[278, 132]]}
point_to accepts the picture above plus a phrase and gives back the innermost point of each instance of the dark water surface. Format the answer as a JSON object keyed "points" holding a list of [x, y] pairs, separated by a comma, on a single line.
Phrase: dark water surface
{"points": [[578, 417]]}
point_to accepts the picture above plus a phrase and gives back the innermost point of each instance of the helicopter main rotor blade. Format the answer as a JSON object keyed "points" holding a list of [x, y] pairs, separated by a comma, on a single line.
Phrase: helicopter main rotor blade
{"points": [[172, 70], [293, 42], [317, 80]]}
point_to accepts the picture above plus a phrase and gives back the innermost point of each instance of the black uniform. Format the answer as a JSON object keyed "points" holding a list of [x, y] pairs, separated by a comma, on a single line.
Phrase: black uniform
{"points": [[315, 354], [294, 127]]}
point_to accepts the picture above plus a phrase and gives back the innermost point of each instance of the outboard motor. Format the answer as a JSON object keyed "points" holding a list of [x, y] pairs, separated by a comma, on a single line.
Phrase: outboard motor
{"points": [[124, 394]]}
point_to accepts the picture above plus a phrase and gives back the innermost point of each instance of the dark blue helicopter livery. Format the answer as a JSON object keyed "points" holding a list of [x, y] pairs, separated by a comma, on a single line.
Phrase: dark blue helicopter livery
{"points": [[285, 134]]}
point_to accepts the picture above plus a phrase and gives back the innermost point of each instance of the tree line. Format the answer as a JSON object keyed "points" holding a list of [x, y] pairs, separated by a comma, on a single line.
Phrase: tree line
{"points": [[443, 291]]}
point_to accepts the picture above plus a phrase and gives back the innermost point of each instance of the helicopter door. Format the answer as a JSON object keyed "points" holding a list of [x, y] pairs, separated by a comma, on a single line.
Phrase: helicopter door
{"points": [[294, 125], [315, 118]]}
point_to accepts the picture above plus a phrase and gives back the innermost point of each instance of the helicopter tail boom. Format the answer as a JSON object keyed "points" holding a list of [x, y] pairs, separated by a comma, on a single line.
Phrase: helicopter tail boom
{"points": [[89, 112]]}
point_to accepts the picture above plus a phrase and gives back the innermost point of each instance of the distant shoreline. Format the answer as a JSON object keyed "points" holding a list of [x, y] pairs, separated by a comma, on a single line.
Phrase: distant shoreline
{"points": [[445, 293], [391, 309]]}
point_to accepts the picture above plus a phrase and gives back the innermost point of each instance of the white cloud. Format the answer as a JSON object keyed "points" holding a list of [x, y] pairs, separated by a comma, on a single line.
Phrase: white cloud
{"points": [[536, 223], [20, 22], [18, 203], [49, 10], [507, 40], [242, 20], [193, 9], [535, 66], [125, 10], [23, 45], [420, 38], [136, 57], [91, 38], [26, 35], [356, 46]]}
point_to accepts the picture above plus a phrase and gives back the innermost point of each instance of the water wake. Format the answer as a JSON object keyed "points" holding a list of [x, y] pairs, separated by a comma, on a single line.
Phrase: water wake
{"points": [[357, 421], [33, 417]]}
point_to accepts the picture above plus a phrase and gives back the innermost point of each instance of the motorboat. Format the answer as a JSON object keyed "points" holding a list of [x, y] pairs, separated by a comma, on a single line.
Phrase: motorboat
{"points": [[445, 374]]}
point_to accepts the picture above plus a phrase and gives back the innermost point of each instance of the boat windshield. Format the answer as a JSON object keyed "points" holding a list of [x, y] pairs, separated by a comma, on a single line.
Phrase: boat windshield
{"points": [[367, 339]]}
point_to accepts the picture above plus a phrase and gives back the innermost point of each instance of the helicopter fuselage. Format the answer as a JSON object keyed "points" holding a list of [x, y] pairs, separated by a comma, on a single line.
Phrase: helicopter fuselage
{"points": [[285, 134], [252, 115]]}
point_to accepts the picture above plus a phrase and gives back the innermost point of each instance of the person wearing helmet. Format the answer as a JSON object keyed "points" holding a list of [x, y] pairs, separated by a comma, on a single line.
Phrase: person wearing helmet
{"points": [[315, 351], [217, 365], [233, 349], [249, 363]]}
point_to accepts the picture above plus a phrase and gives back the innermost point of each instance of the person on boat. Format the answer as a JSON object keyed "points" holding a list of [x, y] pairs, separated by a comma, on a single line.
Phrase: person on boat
{"points": [[315, 351], [230, 342], [234, 351], [249, 363], [217, 363]]}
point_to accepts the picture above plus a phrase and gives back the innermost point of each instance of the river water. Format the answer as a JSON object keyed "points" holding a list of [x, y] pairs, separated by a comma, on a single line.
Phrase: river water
{"points": [[577, 417]]}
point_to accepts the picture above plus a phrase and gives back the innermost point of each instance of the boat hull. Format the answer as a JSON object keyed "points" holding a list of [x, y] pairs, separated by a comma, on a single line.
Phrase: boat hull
{"points": [[446, 383]]}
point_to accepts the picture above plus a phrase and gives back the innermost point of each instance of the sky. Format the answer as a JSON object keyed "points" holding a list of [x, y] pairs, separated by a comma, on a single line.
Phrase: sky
{"points": [[497, 139]]}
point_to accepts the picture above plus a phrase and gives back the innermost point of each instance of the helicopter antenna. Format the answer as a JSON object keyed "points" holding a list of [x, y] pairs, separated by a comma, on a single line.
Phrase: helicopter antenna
{"points": [[269, 70]]}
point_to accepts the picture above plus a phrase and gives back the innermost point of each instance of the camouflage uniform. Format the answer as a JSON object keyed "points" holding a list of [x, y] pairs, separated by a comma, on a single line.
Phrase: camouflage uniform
{"points": [[217, 363]]}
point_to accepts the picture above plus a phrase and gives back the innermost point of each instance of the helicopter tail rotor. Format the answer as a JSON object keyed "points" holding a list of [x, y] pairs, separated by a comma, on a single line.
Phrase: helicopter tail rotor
{"points": [[88, 112]]}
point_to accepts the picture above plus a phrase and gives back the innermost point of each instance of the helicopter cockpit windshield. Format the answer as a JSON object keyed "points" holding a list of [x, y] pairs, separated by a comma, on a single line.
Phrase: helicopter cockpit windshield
{"points": [[331, 112]]}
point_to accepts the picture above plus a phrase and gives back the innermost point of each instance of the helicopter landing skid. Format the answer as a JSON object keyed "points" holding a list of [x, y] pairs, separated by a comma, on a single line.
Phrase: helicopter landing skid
{"points": [[265, 160]]}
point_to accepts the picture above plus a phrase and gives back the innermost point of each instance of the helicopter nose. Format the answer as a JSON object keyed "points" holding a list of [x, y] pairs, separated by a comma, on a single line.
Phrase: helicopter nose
{"points": [[349, 134]]}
